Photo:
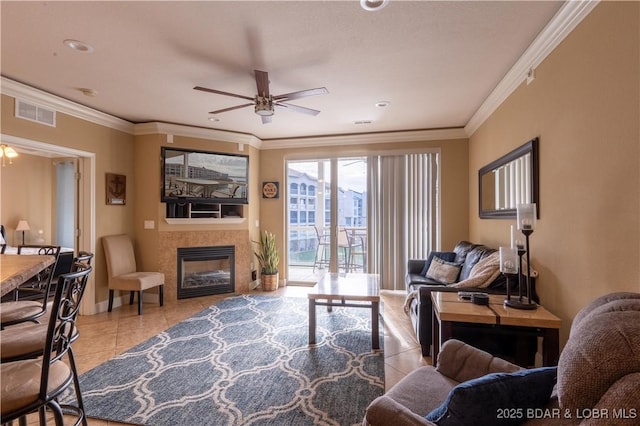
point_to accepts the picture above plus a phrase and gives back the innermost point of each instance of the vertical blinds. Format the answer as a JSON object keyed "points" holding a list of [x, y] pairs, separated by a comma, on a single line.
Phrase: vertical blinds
{"points": [[403, 213]]}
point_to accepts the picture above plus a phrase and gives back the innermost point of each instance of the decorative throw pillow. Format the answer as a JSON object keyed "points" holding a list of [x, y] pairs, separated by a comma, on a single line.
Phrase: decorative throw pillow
{"points": [[496, 399], [449, 256], [444, 272], [483, 273]]}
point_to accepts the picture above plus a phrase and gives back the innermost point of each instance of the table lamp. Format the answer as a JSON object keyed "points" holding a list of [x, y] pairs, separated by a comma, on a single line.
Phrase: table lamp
{"points": [[23, 226]]}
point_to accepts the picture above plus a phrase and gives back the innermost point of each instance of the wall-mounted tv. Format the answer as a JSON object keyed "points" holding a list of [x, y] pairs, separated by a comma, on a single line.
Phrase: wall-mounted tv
{"points": [[190, 176]]}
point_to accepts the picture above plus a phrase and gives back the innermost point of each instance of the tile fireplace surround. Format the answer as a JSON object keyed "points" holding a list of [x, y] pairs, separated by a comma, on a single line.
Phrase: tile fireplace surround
{"points": [[168, 243]]}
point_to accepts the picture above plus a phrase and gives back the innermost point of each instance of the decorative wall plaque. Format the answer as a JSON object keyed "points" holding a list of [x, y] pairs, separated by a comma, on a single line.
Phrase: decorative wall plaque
{"points": [[116, 189], [270, 189]]}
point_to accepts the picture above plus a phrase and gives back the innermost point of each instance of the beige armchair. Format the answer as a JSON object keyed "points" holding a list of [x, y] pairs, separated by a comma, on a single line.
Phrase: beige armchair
{"points": [[123, 273]]}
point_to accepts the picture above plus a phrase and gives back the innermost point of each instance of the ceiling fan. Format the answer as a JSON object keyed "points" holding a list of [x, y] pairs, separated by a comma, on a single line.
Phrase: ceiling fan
{"points": [[264, 102]]}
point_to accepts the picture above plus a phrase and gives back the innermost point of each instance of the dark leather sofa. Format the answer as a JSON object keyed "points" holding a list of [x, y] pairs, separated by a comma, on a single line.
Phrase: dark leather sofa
{"points": [[420, 309]]}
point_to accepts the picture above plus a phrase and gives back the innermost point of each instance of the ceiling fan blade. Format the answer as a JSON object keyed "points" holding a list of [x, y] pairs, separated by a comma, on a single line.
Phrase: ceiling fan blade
{"points": [[262, 83], [297, 108], [302, 94], [266, 119], [230, 108], [220, 92]]}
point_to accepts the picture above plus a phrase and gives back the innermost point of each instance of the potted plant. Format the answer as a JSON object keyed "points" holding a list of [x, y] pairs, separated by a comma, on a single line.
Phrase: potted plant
{"points": [[269, 259]]}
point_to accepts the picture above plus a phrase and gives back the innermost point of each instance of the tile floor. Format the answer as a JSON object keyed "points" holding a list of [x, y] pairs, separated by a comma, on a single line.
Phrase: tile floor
{"points": [[104, 335]]}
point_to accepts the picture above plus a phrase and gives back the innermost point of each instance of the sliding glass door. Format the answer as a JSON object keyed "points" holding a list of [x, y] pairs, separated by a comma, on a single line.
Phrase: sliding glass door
{"points": [[326, 217]]}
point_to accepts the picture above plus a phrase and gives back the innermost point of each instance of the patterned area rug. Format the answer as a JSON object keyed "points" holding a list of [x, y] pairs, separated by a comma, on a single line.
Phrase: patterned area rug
{"points": [[244, 361]]}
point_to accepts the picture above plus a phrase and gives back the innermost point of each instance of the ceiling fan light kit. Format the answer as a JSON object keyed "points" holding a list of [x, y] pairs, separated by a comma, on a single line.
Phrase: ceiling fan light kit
{"points": [[264, 106], [264, 103]]}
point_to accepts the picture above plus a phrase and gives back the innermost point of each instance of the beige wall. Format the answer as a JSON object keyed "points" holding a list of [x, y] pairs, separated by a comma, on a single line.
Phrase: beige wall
{"points": [[584, 106], [454, 182]]}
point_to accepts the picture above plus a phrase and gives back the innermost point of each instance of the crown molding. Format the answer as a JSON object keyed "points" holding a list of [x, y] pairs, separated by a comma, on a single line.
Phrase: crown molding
{"points": [[565, 20], [153, 128], [22, 91], [366, 138]]}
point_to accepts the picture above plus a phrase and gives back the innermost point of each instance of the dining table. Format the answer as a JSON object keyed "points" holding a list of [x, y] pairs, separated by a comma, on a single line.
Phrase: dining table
{"points": [[17, 269]]}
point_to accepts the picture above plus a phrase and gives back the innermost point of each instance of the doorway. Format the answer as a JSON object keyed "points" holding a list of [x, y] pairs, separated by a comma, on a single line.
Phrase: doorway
{"points": [[86, 199]]}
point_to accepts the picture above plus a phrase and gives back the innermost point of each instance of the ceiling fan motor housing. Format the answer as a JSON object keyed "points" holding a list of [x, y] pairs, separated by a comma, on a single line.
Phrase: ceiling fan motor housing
{"points": [[264, 105]]}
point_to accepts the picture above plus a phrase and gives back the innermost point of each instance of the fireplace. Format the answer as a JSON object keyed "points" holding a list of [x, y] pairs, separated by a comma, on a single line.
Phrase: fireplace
{"points": [[205, 270]]}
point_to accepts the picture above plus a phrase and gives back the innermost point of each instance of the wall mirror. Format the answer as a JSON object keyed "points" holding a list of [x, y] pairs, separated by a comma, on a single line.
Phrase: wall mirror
{"points": [[508, 181]]}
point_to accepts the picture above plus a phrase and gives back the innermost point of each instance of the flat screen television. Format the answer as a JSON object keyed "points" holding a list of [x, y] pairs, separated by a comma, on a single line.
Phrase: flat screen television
{"points": [[190, 176]]}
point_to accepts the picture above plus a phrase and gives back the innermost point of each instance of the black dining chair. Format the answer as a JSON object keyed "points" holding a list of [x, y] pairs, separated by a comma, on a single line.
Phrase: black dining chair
{"points": [[27, 341], [34, 384], [39, 288]]}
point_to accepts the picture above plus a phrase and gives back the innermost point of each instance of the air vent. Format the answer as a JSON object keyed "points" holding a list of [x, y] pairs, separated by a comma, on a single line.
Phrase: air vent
{"points": [[33, 112]]}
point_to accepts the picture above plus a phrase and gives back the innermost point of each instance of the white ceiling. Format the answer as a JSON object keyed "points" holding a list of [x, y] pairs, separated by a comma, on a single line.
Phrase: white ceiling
{"points": [[435, 62]]}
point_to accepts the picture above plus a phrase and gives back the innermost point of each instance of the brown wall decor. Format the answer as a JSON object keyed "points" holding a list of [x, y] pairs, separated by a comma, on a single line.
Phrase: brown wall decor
{"points": [[116, 189]]}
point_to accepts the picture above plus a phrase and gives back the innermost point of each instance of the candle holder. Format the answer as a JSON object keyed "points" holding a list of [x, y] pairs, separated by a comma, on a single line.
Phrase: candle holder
{"points": [[526, 224], [508, 267]]}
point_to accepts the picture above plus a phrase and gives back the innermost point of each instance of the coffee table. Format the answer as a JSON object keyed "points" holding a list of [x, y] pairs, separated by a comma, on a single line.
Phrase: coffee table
{"points": [[346, 290], [449, 309]]}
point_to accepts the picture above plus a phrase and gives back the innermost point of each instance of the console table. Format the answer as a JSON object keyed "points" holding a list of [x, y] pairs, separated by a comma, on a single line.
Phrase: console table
{"points": [[449, 309]]}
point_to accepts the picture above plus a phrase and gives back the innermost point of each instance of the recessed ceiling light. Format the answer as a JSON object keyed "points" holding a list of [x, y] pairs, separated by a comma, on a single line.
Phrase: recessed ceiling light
{"points": [[373, 5], [88, 92], [78, 45], [214, 119], [383, 104]]}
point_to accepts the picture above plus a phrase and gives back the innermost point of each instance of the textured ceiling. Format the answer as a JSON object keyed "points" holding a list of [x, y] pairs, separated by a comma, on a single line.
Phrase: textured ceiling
{"points": [[435, 62]]}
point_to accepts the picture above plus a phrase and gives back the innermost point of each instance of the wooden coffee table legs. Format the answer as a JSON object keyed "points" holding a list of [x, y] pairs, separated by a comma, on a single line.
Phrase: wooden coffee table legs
{"points": [[375, 312], [375, 331], [312, 321]]}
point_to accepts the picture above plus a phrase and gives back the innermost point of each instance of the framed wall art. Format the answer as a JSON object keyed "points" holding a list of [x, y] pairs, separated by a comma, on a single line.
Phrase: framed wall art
{"points": [[116, 189]]}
